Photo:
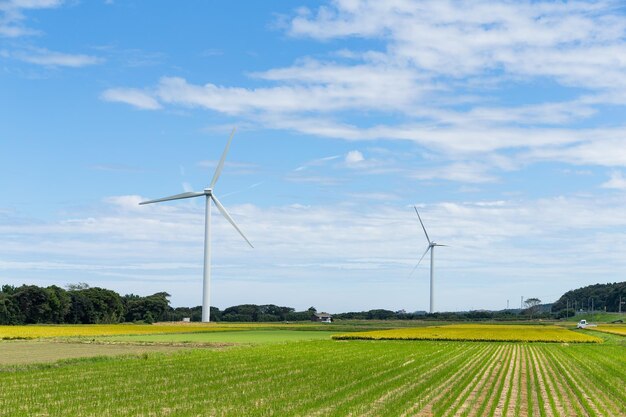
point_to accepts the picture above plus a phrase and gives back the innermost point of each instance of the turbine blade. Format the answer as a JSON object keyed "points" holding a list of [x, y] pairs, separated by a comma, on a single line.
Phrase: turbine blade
{"points": [[174, 197], [220, 165], [437, 244], [222, 210], [422, 223], [420, 261]]}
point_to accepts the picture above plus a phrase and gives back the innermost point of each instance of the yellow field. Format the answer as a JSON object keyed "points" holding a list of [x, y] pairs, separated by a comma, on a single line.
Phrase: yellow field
{"points": [[35, 331], [478, 332], [611, 328]]}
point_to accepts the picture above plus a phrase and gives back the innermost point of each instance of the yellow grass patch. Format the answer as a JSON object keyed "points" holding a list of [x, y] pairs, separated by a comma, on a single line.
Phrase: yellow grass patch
{"points": [[478, 332], [35, 331], [611, 328]]}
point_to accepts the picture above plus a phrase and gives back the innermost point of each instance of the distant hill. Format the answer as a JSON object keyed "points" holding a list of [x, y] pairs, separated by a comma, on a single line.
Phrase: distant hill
{"points": [[599, 296]]}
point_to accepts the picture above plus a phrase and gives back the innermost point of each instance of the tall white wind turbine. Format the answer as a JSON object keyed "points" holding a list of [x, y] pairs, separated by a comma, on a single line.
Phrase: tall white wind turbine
{"points": [[431, 248], [208, 193]]}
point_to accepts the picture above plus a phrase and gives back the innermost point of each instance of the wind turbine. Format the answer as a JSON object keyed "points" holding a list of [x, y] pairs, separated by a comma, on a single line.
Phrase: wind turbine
{"points": [[208, 193], [431, 248]]}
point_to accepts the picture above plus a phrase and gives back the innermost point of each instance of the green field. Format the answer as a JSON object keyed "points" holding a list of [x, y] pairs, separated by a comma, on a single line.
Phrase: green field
{"points": [[271, 375]]}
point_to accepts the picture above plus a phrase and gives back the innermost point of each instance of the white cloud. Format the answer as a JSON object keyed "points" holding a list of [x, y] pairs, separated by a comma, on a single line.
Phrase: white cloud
{"points": [[134, 97], [440, 76], [571, 41], [551, 245], [465, 172], [55, 59], [12, 17], [354, 158], [617, 181]]}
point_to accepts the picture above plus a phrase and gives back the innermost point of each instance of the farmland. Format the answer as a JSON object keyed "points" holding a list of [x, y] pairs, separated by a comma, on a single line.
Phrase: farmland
{"points": [[611, 328], [246, 337], [37, 331], [477, 332], [284, 374]]}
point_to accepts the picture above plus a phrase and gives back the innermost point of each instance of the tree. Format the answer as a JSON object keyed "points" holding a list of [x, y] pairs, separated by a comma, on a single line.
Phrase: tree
{"points": [[532, 306], [138, 307], [33, 304], [60, 303], [8, 313], [95, 305]]}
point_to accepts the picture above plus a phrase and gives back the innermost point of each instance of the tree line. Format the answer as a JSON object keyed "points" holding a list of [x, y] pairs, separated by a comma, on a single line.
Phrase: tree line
{"points": [[82, 304], [597, 297]]}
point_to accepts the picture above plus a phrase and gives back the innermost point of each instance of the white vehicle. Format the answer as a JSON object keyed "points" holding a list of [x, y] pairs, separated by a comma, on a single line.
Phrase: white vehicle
{"points": [[583, 324]]}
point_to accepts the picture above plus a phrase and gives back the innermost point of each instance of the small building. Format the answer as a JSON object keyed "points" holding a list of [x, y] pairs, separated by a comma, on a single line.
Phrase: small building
{"points": [[322, 317], [186, 319]]}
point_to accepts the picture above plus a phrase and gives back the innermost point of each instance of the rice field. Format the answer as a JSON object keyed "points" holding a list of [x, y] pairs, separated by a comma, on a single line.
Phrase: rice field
{"points": [[618, 329], [332, 378], [34, 331], [478, 332]]}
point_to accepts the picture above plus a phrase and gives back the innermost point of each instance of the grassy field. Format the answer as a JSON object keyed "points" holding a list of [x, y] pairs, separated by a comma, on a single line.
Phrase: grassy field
{"points": [[16, 352], [332, 378], [312, 377], [477, 332]]}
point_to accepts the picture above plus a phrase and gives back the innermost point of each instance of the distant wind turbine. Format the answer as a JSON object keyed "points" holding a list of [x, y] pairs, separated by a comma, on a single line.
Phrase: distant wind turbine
{"points": [[431, 248], [208, 193]]}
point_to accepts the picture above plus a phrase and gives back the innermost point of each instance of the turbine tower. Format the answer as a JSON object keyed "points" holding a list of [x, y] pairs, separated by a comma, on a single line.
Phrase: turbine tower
{"points": [[431, 248], [208, 193]]}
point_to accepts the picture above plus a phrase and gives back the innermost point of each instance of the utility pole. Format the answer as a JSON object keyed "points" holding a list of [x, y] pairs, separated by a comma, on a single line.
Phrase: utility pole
{"points": [[620, 304], [521, 303], [566, 309], [507, 303]]}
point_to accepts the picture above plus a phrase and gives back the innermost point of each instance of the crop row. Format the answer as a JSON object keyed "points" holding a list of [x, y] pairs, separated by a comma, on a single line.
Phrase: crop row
{"points": [[477, 332], [332, 378]]}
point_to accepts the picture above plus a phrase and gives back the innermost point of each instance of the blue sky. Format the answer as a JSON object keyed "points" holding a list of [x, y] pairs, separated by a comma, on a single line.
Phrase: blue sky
{"points": [[502, 121]]}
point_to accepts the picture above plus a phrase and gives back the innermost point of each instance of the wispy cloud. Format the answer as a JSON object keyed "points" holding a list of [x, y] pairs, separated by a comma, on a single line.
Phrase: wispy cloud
{"points": [[439, 76], [134, 97], [317, 162], [55, 59], [502, 241], [115, 168], [12, 18]]}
